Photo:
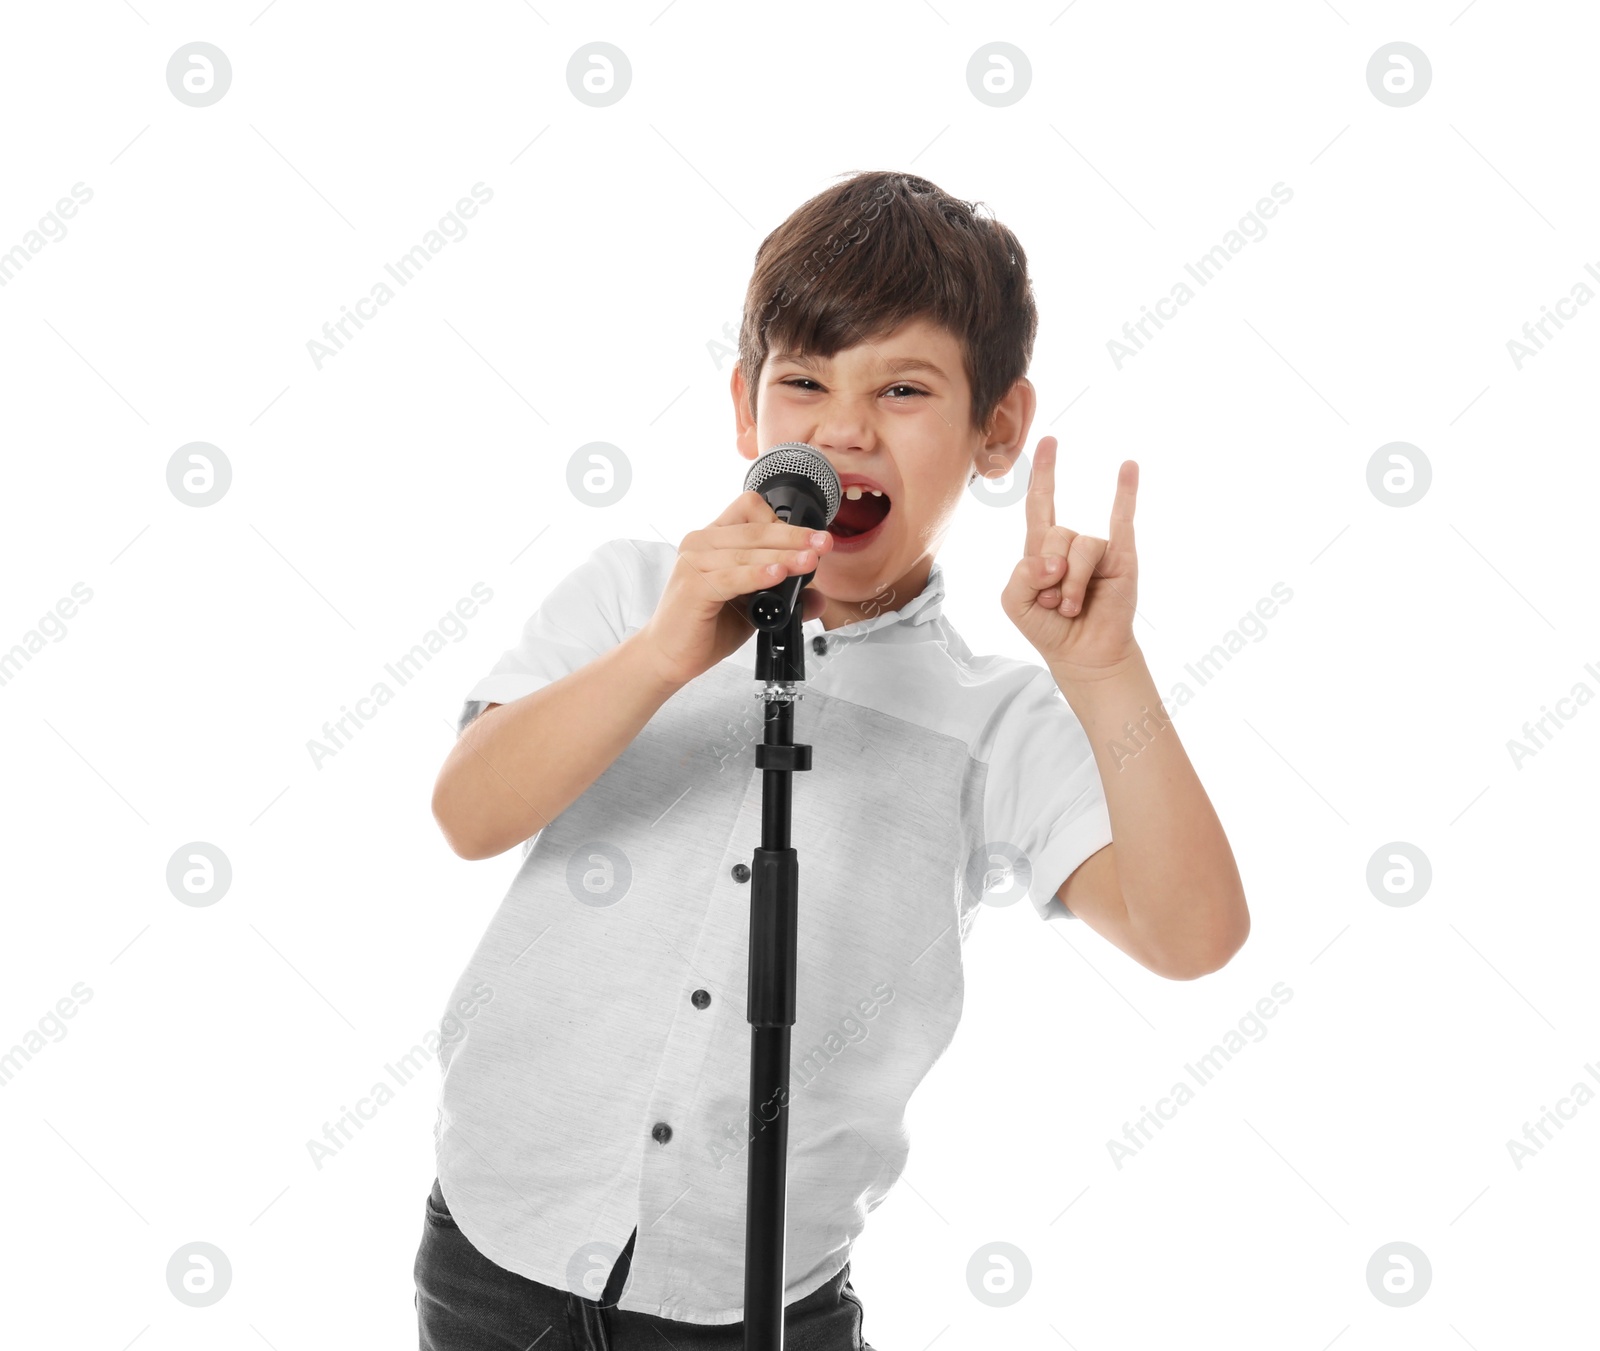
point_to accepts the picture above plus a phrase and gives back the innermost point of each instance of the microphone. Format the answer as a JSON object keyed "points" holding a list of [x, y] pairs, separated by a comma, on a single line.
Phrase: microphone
{"points": [[802, 489]]}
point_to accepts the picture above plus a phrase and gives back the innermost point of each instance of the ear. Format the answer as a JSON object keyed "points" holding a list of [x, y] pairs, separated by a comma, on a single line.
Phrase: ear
{"points": [[744, 426], [1008, 430]]}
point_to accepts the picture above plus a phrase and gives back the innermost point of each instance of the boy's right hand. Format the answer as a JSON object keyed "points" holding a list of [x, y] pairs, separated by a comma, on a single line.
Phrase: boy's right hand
{"points": [[698, 621]]}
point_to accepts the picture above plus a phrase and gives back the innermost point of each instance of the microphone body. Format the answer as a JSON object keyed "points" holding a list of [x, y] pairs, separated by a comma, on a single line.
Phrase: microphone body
{"points": [[802, 489]]}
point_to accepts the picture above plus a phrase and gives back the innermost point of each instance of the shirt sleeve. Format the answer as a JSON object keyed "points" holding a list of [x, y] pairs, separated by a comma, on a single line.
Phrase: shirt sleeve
{"points": [[584, 614], [1042, 793]]}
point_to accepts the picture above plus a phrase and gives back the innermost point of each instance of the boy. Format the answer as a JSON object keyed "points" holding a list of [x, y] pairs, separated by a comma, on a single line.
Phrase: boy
{"points": [[597, 1103]]}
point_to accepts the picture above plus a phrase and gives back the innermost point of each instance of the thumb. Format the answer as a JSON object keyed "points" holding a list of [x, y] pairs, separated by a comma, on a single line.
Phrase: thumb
{"points": [[812, 603]]}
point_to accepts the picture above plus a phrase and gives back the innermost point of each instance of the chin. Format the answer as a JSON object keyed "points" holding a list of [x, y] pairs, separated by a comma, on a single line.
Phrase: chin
{"points": [[855, 591]]}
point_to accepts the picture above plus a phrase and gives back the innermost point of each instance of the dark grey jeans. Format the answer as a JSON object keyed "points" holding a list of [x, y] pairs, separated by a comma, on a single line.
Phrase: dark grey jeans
{"points": [[465, 1302]]}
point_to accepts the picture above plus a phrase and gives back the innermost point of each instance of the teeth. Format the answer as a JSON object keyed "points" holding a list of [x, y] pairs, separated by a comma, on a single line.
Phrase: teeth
{"points": [[855, 490]]}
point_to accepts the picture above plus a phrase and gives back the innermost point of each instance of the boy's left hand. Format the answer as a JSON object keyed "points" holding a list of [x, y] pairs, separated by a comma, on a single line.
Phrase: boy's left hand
{"points": [[1079, 615]]}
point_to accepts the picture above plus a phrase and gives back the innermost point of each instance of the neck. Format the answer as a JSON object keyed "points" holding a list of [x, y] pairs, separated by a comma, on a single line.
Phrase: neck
{"points": [[885, 596]]}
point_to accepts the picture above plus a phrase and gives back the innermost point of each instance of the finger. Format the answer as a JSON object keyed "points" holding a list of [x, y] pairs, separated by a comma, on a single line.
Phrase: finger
{"points": [[812, 603], [747, 506], [788, 560], [1085, 553], [1122, 506], [1041, 500], [773, 534], [707, 554], [1047, 572], [748, 578], [1056, 542], [1023, 589], [1053, 549], [1044, 574]]}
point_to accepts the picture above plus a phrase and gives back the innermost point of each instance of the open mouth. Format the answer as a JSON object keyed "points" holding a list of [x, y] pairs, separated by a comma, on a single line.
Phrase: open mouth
{"points": [[858, 516]]}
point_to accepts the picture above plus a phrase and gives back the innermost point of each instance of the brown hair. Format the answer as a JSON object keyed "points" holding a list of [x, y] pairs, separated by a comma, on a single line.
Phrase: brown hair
{"points": [[877, 250]]}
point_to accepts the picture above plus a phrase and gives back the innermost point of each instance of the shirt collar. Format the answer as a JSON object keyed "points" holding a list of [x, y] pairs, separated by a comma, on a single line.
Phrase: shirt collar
{"points": [[922, 607]]}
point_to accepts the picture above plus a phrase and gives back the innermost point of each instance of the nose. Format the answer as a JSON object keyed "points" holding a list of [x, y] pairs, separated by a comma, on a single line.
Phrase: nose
{"points": [[841, 429], [840, 436]]}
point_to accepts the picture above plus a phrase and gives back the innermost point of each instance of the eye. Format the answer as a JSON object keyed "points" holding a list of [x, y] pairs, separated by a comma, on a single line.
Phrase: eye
{"points": [[797, 381]]}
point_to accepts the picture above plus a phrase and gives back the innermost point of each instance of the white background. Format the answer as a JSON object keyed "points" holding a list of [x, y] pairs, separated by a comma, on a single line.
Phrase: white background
{"points": [[369, 496]]}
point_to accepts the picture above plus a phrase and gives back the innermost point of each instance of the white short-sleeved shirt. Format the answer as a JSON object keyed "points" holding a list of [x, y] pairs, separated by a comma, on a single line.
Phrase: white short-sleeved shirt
{"points": [[603, 1086]]}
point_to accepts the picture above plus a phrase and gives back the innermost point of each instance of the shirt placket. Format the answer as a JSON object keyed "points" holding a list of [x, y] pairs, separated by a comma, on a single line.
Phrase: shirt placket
{"points": [[711, 996]]}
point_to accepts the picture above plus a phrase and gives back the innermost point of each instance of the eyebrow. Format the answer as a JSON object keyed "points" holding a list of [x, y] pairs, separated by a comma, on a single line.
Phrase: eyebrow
{"points": [[893, 366]]}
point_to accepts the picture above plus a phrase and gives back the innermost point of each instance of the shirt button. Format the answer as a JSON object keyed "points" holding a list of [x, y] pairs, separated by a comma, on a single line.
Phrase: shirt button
{"points": [[741, 872], [661, 1132], [819, 645], [701, 998]]}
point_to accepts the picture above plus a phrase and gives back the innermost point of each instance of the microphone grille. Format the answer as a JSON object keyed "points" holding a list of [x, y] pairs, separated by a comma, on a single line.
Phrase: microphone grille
{"points": [[796, 457]]}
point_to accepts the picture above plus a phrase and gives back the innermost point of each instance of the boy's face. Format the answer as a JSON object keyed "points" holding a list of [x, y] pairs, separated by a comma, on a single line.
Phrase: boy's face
{"points": [[894, 410]]}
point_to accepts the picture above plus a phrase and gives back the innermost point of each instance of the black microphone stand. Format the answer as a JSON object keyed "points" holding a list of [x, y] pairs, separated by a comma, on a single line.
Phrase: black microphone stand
{"points": [[774, 921]]}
